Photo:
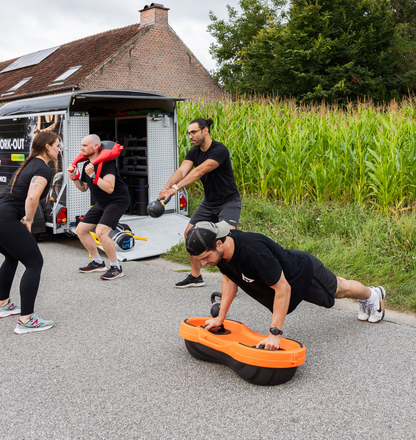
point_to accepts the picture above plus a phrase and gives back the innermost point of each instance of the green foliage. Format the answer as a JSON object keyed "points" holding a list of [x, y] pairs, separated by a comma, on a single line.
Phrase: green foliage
{"points": [[404, 15], [237, 33], [332, 50], [291, 153], [404, 12], [336, 50]]}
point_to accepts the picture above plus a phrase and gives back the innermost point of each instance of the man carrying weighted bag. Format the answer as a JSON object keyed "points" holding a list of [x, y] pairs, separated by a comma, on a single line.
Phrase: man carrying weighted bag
{"points": [[208, 161], [112, 200]]}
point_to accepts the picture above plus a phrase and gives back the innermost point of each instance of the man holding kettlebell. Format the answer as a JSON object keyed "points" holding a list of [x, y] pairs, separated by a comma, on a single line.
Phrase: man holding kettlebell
{"points": [[208, 161]]}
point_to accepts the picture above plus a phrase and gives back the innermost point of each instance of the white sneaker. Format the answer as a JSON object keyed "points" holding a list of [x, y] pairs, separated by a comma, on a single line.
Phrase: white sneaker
{"points": [[364, 311], [377, 309]]}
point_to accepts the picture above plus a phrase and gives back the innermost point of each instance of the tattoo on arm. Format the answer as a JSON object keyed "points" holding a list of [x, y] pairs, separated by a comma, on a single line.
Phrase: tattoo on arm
{"points": [[34, 184]]}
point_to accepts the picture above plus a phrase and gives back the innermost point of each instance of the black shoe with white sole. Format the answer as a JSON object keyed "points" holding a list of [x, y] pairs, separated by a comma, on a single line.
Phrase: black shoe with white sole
{"points": [[191, 281], [93, 267]]}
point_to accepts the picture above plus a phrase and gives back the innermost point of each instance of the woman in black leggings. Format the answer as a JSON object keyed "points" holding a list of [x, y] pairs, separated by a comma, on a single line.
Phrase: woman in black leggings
{"points": [[28, 185]]}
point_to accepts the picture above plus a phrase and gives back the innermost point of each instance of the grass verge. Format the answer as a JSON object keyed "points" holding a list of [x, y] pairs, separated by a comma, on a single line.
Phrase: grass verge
{"points": [[352, 241]]}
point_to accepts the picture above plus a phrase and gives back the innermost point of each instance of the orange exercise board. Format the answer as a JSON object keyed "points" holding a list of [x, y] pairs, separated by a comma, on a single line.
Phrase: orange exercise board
{"points": [[236, 347]]}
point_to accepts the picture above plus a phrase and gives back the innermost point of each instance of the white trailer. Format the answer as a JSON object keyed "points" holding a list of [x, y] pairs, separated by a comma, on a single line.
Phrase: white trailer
{"points": [[145, 123]]}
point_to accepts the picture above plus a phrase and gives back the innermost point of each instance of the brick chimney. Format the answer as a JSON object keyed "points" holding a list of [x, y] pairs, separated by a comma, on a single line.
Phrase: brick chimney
{"points": [[155, 13]]}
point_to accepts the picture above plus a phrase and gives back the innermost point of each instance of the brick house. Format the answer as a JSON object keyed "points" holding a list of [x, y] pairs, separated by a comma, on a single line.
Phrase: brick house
{"points": [[146, 56]]}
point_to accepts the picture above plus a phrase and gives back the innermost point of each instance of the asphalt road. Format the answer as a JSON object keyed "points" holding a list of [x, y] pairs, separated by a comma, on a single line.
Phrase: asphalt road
{"points": [[114, 366]]}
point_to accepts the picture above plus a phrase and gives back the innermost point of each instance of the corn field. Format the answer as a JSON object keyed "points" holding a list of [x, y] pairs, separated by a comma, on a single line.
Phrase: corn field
{"points": [[361, 154]]}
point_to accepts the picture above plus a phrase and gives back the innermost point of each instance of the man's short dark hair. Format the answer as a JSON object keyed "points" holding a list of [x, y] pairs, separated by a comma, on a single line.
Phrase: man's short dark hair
{"points": [[214, 245]]}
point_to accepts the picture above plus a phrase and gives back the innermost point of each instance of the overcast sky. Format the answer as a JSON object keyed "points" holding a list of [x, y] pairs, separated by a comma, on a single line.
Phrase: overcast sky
{"points": [[27, 26]]}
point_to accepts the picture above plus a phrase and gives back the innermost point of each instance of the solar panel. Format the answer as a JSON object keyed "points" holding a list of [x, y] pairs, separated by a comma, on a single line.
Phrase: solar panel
{"points": [[30, 59]]}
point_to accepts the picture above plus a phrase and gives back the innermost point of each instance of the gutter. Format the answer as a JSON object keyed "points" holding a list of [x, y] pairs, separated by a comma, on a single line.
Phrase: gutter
{"points": [[42, 92]]}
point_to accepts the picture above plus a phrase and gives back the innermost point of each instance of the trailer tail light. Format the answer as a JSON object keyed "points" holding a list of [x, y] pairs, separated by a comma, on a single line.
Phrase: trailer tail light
{"points": [[182, 202], [62, 216]]}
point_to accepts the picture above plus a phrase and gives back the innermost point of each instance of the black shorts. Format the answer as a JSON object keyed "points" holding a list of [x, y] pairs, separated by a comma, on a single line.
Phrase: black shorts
{"points": [[229, 211], [323, 287], [108, 216]]}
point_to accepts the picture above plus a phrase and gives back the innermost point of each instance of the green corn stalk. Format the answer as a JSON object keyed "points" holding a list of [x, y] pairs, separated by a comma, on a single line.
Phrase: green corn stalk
{"points": [[279, 150]]}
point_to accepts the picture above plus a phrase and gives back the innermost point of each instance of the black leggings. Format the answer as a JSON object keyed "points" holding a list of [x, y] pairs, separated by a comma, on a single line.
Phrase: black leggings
{"points": [[18, 244]]}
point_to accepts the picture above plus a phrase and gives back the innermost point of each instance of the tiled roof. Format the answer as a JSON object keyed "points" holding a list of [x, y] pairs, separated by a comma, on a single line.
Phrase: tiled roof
{"points": [[90, 52]]}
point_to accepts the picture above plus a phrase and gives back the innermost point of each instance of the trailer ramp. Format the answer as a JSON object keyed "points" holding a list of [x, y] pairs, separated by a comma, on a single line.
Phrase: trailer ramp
{"points": [[162, 233]]}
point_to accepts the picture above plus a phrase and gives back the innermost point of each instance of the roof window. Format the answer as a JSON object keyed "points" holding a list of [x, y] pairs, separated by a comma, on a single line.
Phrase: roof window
{"points": [[17, 86], [65, 75]]}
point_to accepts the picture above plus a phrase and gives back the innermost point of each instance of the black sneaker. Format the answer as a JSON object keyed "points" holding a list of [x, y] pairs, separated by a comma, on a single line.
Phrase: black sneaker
{"points": [[113, 273], [190, 281], [93, 267]]}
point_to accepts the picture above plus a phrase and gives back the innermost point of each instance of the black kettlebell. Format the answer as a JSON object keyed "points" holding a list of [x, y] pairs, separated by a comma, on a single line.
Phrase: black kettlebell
{"points": [[215, 308], [157, 208]]}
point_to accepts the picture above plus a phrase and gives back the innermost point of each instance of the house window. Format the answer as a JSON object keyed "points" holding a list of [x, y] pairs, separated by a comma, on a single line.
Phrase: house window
{"points": [[30, 59], [18, 85], [65, 75]]}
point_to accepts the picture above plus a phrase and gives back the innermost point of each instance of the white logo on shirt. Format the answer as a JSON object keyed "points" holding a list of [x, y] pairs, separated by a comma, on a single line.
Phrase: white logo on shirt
{"points": [[247, 280]]}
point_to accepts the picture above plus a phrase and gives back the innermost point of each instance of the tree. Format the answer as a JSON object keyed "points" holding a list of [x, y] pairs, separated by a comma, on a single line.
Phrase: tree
{"points": [[237, 33], [337, 50], [404, 15], [404, 12]]}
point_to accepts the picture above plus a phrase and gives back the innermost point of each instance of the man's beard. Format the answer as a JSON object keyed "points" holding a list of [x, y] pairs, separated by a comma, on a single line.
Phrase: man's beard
{"points": [[199, 143], [219, 256]]}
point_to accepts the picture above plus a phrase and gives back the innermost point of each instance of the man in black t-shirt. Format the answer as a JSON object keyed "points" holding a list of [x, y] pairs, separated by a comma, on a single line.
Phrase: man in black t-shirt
{"points": [[275, 277], [211, 164], [112, 200]]}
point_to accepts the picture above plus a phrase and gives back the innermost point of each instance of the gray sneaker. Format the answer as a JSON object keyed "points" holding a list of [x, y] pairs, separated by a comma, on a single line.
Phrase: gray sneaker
{"points": [[9, 309], [35, 324], [377, 309]]}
